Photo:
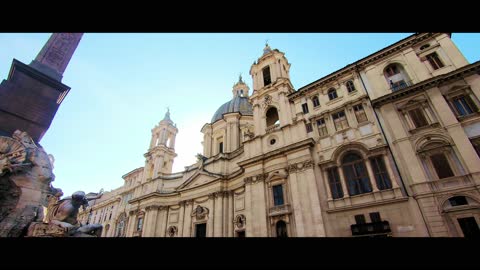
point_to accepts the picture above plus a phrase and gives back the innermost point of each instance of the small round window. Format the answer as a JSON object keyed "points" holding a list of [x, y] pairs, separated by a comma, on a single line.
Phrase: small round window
{"points": [[273, 141]]}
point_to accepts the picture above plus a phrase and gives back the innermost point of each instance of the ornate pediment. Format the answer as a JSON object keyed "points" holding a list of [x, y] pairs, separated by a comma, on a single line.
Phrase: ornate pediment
{"points": [[199, 178], [413, 102]]}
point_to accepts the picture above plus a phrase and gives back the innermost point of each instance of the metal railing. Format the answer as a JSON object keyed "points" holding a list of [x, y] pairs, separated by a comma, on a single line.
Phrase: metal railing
{"points": [[402, 85]]}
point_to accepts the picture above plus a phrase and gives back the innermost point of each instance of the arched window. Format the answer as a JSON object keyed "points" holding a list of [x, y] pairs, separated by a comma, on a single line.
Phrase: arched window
{"points": [[315, 101], [356, 174], [435, 61], [281, 229], [121, 225], [439, 158], [266, 76], [272, 117], [332, 93], [350, 87], [396, 77], [139, 223], [458, 200], [381, 174]]}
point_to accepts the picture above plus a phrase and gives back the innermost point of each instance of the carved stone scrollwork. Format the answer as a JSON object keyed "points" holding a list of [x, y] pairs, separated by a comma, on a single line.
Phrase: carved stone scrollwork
{"points": [[300, 166], [239, 221], [255, 178], [152, 207], [172, 231], [267, 101], [200, 212], [217, 194]]}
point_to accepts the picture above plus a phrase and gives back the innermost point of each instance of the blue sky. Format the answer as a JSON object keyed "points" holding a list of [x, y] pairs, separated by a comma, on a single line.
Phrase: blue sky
{"points": [[122, 83]]}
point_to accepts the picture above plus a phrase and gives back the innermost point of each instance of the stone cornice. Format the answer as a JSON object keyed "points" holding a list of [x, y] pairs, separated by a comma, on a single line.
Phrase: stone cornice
{"points": [[360, 100], [34, 73], [370, 59], [228, 156], [305, 143], [368, 204], [436, 81], [153, 194], [132, 172], [155, 207]]}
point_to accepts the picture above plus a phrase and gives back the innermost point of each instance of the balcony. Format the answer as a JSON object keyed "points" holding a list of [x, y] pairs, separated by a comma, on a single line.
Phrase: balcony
{"points": [[279, 210], [381, 228], [272, 128], [400, 85]]}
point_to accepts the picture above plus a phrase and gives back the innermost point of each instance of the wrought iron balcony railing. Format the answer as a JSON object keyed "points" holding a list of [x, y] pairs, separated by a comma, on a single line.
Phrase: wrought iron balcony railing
{"points": [[400, 85]]}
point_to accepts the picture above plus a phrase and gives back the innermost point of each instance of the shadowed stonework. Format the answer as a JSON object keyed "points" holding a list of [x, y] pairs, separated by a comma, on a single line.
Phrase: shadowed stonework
{"points": [[29, 99]]}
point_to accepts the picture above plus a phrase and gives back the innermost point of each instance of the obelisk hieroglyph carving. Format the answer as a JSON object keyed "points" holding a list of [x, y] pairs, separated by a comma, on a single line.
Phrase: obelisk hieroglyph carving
{"points": [[53, 59]]}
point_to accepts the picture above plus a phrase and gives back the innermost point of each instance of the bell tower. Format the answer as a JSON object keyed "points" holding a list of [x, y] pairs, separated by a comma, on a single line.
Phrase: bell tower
{"points": [[160, 155], [240, 89], [271, 85]]}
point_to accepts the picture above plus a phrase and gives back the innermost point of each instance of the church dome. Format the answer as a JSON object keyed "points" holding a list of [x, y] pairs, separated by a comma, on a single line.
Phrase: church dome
{"points": [[237, 104]]}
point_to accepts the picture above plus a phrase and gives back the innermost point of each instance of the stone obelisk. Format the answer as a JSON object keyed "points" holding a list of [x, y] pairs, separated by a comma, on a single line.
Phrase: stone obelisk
{"points": [[32, 94]]}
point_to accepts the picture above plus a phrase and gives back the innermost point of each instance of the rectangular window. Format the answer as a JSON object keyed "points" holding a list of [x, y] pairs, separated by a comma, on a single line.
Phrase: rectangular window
{"points": [[309, 127], [435, 61], [266, 76], [375, 217], [418, 118], [305, 108], [464, 105], [201, 230], [340, 120], [139, 224], [277, 195], [360, 113], [441, 165], [360, 219], [334, 183], [220, 147], [476, 145], [469, 227], [381, 174], [350, 87], [315, 102], [322, 127]]}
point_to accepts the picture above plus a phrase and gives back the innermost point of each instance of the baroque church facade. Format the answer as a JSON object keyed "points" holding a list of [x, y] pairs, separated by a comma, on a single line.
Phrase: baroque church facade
{"points": [[386, 146]]}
